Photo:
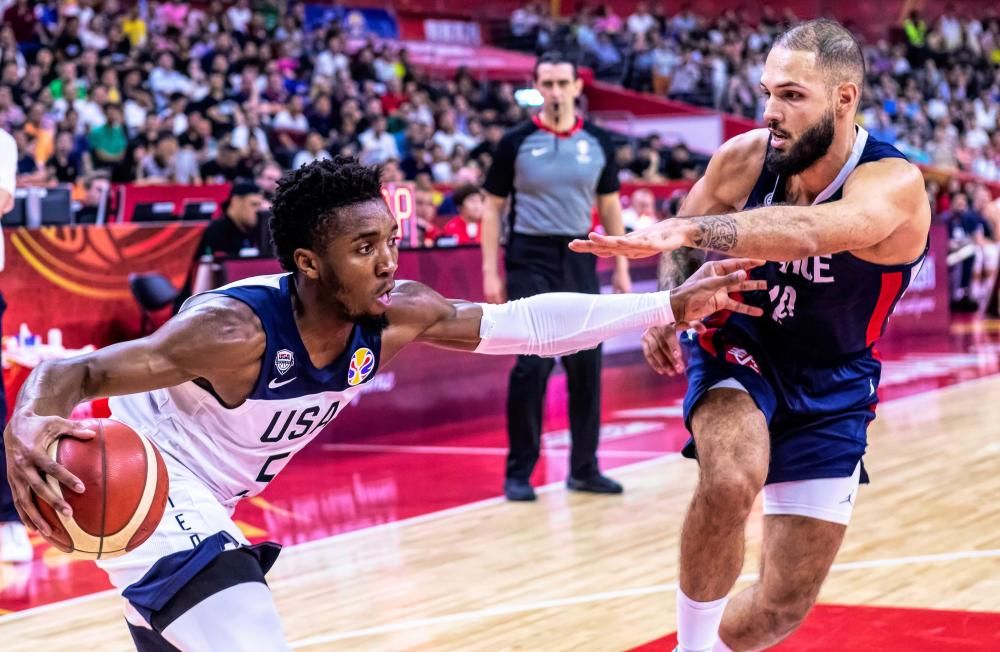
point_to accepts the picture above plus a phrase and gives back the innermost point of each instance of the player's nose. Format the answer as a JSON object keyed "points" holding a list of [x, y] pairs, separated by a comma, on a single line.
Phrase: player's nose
{"points": [[387, 266], [771, 113]]}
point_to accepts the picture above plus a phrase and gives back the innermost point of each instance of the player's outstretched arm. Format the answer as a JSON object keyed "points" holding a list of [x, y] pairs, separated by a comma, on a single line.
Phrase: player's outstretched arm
{"points": [[879, 198], [212, 340], [562, 323]]}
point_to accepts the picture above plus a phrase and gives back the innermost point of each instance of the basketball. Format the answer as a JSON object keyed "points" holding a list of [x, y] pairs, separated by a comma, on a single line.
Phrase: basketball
{"points": [[125, 493]]}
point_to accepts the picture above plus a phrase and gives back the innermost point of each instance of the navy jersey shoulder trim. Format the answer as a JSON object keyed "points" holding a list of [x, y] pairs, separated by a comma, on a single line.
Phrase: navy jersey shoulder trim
{"points": [[286, 369], [876, 150]]}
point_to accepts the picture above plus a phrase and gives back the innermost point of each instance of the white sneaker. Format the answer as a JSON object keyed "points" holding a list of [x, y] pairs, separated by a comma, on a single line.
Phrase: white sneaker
{"points": [[14, 543]]}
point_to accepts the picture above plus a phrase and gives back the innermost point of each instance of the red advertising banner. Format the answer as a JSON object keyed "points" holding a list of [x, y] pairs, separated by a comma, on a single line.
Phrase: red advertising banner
{"points": [[924, 308], [76, 277]]}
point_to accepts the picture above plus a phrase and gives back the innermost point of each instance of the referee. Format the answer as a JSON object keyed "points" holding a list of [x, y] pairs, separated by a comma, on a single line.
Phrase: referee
{"points": [[552, 167]]}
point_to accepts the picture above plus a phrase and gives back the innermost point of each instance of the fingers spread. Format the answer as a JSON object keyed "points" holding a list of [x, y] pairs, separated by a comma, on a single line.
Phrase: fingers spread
{"points": [[752, 286], [742, 308]]}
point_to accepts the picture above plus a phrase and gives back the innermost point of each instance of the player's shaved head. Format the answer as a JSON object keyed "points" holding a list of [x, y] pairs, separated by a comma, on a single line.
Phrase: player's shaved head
{"points": [[838, 53]]}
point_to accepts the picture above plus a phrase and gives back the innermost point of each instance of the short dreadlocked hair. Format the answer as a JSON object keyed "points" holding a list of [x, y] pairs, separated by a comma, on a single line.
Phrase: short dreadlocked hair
{"points": [[307, 202]]}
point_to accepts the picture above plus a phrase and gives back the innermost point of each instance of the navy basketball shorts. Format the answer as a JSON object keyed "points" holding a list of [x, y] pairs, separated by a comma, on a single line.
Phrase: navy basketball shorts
{"points": [[817, 415]]}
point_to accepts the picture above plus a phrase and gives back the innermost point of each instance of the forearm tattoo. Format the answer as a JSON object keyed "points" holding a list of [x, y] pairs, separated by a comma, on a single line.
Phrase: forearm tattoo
{"points": [[717, 233], [676, 266]]}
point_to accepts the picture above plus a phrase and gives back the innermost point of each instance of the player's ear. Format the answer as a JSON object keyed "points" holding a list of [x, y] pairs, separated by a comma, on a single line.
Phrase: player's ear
{"points": [[846, 97], [307, 262]]}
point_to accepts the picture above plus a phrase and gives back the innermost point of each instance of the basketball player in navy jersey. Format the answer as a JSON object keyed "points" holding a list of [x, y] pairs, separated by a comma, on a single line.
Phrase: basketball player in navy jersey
{"points": [[244, 376], [783, 403]]}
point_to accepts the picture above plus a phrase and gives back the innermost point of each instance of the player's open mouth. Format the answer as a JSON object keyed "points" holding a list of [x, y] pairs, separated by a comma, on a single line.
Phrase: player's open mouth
{"points": [[778, 141], [386, 297]]}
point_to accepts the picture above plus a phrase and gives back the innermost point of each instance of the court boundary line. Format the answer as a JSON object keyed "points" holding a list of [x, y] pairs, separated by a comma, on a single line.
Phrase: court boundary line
{"points": [[459, 509], [604, 596]]}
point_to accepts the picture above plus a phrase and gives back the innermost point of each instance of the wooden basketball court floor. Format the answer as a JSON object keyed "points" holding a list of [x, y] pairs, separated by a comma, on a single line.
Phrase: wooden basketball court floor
{"points": [[578, 572]]}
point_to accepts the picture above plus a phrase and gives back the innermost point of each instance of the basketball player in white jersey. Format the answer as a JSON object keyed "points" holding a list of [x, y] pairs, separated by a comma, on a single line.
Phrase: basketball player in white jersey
{"points": [[246, 375]]}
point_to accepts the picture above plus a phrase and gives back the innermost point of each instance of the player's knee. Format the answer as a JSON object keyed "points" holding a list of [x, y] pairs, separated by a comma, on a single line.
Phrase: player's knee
{"points": [[731, 490], [785, 610]]}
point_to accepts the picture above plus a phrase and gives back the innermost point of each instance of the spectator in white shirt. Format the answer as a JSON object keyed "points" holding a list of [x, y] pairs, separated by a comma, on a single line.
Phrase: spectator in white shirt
{"points": [[332, 60], [642, 211], [377, 145], [292, 118], [314, 151], [240, 15], [641, 21], [8, 174], [249, 137], [986, 110], [165, 80], [447, 136]]}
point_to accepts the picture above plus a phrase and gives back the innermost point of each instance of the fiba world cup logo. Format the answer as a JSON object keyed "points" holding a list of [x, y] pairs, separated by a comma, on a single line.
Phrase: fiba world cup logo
{"points": [[362, 365], [95, 262]]}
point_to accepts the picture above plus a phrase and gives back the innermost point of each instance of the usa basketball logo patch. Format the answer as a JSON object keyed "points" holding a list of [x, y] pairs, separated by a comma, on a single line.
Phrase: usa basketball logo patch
{"points": [[283, 361], [362, 365]]}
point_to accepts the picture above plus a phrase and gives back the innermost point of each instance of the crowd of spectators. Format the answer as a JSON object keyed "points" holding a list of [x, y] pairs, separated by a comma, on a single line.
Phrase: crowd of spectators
{"points": [[189, 95], [101, 90], [933, 85], [96, 89]]}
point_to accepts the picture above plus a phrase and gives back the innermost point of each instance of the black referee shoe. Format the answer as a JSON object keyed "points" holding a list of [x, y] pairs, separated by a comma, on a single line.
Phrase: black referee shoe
{"points": [[518, 490], [595, 484]]}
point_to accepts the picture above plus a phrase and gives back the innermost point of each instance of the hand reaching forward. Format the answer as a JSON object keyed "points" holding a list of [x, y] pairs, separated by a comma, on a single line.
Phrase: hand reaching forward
{"points": [[707, 290]]}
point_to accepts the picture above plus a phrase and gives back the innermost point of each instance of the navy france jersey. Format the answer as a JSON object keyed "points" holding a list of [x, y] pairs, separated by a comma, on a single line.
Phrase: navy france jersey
{"points": [[809, 362], [825, 308], [237, 451]]}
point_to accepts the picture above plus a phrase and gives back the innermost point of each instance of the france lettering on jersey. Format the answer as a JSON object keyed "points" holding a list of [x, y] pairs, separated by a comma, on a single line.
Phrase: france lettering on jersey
{"points": [[826, 307], [237, 451]]}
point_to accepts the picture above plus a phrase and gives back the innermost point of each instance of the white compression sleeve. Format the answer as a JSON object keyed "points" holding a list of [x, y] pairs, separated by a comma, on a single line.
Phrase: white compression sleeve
{"points": [[561, 323]]}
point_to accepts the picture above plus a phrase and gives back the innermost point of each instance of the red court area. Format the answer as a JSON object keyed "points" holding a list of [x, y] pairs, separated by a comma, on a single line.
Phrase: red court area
{"points": [[351, 481], [863, 629]]}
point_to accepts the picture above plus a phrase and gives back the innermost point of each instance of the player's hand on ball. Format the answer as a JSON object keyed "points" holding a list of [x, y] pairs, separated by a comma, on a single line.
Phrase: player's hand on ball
{"points": [[707, 290], [27, 439]]}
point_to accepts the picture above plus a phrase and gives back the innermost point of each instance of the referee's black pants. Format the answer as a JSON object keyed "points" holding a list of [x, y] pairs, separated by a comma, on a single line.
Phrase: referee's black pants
{"points": [[7, 510], [537, 264]]}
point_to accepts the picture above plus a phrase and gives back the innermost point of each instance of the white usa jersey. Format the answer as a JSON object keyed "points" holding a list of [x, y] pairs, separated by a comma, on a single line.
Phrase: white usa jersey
{"points": [[237, 451]]}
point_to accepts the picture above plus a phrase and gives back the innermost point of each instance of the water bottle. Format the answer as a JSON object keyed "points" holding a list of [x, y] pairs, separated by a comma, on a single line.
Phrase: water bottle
{"points": [[55, 338]]}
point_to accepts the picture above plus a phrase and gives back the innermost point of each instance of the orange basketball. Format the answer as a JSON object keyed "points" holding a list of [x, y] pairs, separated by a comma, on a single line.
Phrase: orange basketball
{"points": [[125, 492]]}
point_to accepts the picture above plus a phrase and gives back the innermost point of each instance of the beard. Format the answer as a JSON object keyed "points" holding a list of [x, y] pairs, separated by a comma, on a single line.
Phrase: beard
{"points": [[806, 150]]}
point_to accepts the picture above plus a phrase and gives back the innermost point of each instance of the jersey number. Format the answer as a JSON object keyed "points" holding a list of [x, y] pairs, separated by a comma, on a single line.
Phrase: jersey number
{"points": [[306, 424], [786, 302]]}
